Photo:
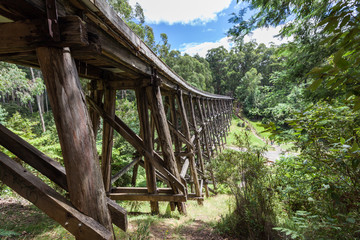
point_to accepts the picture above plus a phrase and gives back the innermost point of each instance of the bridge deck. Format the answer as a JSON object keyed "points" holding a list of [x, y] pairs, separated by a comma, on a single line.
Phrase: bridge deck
{"points": [[108, 47]]}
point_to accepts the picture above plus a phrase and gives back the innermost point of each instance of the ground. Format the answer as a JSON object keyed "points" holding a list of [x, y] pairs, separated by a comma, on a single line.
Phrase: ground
{"points": [[19, 219]]}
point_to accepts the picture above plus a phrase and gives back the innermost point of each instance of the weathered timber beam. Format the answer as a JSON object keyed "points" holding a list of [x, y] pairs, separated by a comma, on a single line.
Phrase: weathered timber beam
{"points": [[180, 135], [140, 190], [94, 116], [211, 190], [185, 126], [184, 168], [51, 169], [75, 133], [116, 27], [19, 10], [146, 134], [113, 50], [148, 197], [29, 34], [160, 119], [49, 201], [125, 169], [23, 150], [175, 125], [107, 138], [136, 142], [192, 196], [100, 14], [158, 174]]}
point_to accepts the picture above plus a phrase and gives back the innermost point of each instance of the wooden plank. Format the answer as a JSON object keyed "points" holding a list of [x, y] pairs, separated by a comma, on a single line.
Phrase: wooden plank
{"points": [[134, 176], [139, 190], [159, 175], [211, 190], [185, 125], [174, 130], [94, 116], [18, 10], [180, 135], [75, 133], [100, 14], [184, 168], [125, 169], [118, 214], [50, 168], [23, 150], [148, 197], [197, 141], [208, 137], [50, 202], [160, 120], [116, 26], [203, 116], [136, 142], [146, 133], [108, 137], [27, 35]]}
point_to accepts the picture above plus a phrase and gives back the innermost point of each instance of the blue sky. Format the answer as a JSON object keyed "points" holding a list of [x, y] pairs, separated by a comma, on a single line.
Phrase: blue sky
{"points": [[195, 26]]}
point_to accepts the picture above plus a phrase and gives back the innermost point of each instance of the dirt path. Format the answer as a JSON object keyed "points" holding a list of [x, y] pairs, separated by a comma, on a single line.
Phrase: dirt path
{"points": [[198, 224], [274, 152]]}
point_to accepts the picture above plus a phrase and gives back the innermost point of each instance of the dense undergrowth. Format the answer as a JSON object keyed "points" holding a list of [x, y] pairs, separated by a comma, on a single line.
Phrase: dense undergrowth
{"points": [[313, 195]]}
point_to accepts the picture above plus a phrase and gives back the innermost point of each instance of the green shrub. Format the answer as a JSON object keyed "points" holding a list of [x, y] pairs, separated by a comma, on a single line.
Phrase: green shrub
{"points": [[249, 179]]}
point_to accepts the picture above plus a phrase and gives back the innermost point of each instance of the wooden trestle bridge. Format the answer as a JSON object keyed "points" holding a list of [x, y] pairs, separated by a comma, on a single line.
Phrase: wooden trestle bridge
{"points": [[181, 128]]}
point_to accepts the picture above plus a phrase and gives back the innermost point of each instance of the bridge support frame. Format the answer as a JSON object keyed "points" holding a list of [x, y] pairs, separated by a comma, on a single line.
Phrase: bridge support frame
{"points": [[75, 133]]}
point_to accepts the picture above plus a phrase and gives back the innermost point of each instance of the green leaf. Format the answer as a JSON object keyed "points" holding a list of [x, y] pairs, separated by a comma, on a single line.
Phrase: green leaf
{"points": [[354, 147], [350, 220], [345, 21], [325, 21], [339, 61], [8, 233], [315, 84], [333, 23], [342, 141]]}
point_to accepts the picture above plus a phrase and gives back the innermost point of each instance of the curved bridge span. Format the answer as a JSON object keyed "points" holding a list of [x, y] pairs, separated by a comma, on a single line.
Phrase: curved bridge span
{"points": [[181, 127]]}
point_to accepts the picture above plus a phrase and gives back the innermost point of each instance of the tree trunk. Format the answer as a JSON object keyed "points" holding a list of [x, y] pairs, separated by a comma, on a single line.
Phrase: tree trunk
{"points": [[38, 103]]}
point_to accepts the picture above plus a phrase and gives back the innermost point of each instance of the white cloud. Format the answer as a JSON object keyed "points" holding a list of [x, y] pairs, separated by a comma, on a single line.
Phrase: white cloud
{"points": [[202, 48], [267, 36], [261, 35], [184, 11]]}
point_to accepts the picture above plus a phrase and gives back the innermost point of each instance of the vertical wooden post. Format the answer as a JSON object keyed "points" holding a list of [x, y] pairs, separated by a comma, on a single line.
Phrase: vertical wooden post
{"points": [[224, 116], [230, 111], [211, 125], [206, 126], [146, 134], [197, 140], [97, 95], [220, 122], [174, 121], [108, 137], [75, 132], [159, 117], [134, 175], [186, 129], [215, 115]]}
